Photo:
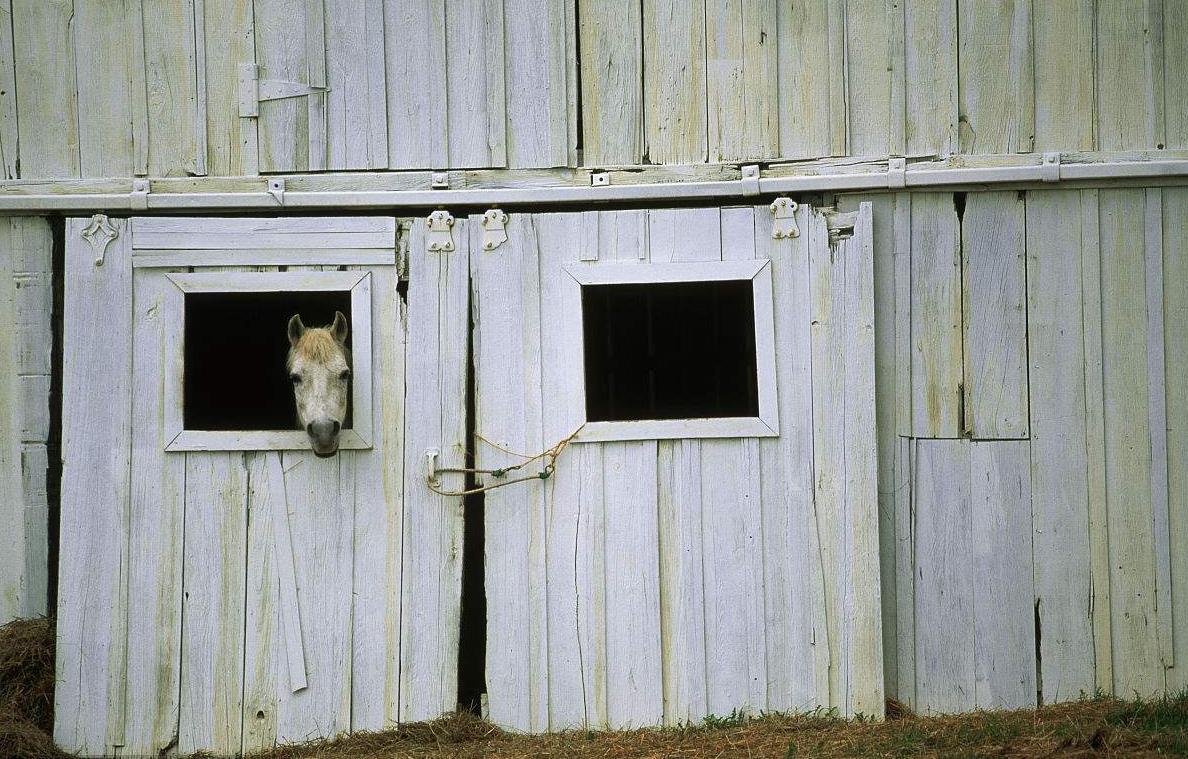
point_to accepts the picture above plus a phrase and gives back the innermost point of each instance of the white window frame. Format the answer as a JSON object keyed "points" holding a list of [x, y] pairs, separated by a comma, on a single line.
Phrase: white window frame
{"points": [[758, 271], [357, 283]]}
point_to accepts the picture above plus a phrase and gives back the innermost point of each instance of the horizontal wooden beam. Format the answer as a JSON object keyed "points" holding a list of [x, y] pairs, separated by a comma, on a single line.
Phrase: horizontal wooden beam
{"points": [[568, 186]]}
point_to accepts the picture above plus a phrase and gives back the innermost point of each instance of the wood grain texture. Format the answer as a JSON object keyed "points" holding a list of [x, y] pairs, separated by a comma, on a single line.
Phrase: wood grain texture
{"points": [[286, 136], [612, 82], [12, 497], [45, 80], [356, 104], [170, 66], [1064, 585], [804, 79], [1126, 51], [541, 83], [415, 55], [930, 56], [103, 61], [229, 36], [997, 87], [868, 72], [477, 123], [90, 663], [935, 316], [8, 111], [1174, 63], [993, 232], [741, 79], [1065, 92], [674, 73]]}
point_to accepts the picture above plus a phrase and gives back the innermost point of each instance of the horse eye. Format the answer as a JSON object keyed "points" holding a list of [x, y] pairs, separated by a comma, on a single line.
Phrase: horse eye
{"points": [[295, 378], [346, 375]]}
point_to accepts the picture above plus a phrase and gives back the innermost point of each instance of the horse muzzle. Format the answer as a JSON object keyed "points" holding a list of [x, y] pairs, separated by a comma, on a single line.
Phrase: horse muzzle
{"points": [[323, 437]]}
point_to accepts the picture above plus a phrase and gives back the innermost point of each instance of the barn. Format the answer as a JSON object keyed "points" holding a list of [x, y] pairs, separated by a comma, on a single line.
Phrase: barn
{"points": [[707, 356]]}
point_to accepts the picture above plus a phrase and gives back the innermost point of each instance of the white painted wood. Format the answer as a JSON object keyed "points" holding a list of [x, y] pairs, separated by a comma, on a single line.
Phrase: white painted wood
{"points": [[476, 90], [930, 47], [995, 317], [868, 43], [1061, 493], [805, 40], [8, 113], [1125, 54], [660, 429], [997, 87], [287, 134], [612, 273], [171, 80], [741, 79], [541, 130], [432, 525], [356, 103], [1064, 75], [935, 316], [90, 662], [612, 99], [213, 611], [230, 233], [45, 81], [257, 440], [229, 39], [293, 651], [265, 257], [415, 56], [674, 71], [1129, 500], [12, 496], [102, 58], [1003, 598]]}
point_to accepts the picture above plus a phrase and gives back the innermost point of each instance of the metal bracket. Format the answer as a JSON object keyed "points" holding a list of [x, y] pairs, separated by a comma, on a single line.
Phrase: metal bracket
{"points": [[99, 232], [138, 198], [440, 180], [276, 188], [494, 229], [437, 237], [897, 173], [1050, 168], [600, 179], [750, 179], [431, 475], [784, 226], [253, 90]]}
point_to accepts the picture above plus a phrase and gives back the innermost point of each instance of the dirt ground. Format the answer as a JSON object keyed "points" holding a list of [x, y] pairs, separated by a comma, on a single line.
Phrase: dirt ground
{"points": [[1097, 727]]}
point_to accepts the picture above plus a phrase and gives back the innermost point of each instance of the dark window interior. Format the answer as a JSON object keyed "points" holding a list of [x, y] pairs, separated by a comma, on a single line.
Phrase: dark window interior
{"points": [[236, 345], [680, 350]]}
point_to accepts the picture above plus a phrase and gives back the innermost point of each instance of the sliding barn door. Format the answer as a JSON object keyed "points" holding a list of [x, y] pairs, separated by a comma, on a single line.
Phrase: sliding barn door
{"points": [[671, 566], [222, 588]]}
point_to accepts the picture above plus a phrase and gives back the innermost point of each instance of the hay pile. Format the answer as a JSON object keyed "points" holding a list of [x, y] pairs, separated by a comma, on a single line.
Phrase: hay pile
{"points": [[27, 690]]}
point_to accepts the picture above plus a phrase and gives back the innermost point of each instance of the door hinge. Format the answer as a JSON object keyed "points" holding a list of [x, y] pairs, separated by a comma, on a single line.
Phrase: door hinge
{"points": [[784, 224], [494, 229], [253, 90], [437, 233]]}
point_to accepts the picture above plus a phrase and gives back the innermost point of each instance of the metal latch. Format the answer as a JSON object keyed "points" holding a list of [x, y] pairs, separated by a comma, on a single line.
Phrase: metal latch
{"points": [[431, 474], [253, 90], [138, 198], [896, 173], [276, 188], [494, 229], [437, 236], [1050, 168], [784, 226], [750, 179]]}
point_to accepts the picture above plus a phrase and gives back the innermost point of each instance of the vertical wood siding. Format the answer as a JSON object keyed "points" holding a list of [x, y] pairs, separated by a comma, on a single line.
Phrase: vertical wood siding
{"points": [[152, 87]]}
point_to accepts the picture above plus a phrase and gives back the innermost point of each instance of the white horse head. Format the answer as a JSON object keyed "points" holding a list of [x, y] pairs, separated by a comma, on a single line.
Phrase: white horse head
{"points": [[320, 369]]}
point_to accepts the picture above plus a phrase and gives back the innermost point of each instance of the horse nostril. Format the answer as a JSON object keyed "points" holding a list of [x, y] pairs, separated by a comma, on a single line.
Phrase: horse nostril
{"points": [[337, 427], [309, 429]]}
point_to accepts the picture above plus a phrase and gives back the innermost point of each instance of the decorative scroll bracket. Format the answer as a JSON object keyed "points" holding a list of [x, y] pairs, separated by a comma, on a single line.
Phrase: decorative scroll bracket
{"points": [[784, 226], [99, 232], [438, 238], [494, 229]]}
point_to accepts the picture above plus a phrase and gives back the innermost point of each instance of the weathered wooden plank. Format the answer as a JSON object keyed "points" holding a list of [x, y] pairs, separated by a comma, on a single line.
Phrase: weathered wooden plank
{"points": [[1175, 313], [905, 571], [1137, 665], [415, 50], [284, 131], [230, 40], [674, 71], [34, 592], [356, 104], [477, 97], [432, 543], [1065, 95], [12, 497], [741, 79], [1059, 460], [995, 317], [171, 81], [935, 316], [45, 80], [1174, 63], [1003, 598], [930, 56], [804, 78], [791, 611], [213, 613], [102, 60], [379, 519], [541, 83], [1126, 111], [90, 664], [612, 82], [997, 86], [155, 532], [945, 656], [8, 112], [868, 74]]}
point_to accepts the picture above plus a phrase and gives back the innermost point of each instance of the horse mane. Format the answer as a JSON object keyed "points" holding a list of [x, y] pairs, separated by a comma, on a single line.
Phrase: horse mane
{"points": [[318, 345]]}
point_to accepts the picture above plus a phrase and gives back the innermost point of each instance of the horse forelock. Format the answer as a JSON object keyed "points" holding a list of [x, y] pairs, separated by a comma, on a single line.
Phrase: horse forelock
{"points": [[319, 346]]}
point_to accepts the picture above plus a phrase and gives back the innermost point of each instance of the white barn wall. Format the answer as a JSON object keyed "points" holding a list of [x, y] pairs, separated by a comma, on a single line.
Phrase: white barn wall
{"points": [[26, 296]]}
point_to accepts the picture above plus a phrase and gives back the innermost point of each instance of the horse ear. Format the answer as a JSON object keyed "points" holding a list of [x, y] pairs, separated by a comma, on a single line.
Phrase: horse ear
{"points": [[339, 328], [296, 329]]}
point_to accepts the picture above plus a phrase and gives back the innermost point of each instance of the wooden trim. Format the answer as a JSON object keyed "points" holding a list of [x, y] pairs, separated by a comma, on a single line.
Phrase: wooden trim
{"points": [[766, 424], [358, 283], [263, 257]]}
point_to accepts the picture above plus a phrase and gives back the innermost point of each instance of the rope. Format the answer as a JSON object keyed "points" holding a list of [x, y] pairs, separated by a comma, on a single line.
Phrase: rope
{"points": [[548, 455]]}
